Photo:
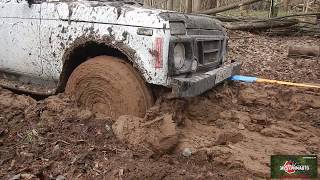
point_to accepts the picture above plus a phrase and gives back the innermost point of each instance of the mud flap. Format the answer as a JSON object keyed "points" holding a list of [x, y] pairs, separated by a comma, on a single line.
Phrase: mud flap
{"points": [[197, 84]]}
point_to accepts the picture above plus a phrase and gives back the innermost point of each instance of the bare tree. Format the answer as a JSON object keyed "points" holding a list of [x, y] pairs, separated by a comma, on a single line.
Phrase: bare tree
{"points": [[196, 4], [285, 4], [189, 6], [170, 4]]}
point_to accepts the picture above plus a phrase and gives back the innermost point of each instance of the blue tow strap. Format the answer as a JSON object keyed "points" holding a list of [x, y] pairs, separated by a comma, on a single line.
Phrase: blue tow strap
{"points": [[244, 78], [250, 79]]}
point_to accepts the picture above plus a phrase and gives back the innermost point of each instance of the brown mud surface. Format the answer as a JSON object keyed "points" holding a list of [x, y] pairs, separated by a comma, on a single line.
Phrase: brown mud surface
{"points": [[227, 133]]}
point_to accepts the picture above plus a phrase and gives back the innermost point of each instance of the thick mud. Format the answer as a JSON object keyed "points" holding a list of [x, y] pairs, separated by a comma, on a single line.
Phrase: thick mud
{"points": [[110, 86], [227, 133]]}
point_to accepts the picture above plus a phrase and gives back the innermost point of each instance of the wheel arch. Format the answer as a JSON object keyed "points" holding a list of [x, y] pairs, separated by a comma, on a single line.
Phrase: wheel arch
{"points": [[84, 48]]}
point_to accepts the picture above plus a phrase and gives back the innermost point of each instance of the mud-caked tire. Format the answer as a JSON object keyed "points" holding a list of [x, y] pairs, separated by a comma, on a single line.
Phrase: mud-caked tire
{"points": [[110, 86]]}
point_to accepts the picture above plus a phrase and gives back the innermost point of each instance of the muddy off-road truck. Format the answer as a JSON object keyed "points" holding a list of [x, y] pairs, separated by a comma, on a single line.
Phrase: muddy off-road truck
{"points": [[108, 55]]}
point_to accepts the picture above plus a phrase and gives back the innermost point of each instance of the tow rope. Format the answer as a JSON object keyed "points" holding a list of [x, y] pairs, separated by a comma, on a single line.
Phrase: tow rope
{"points": [[251, 79]]}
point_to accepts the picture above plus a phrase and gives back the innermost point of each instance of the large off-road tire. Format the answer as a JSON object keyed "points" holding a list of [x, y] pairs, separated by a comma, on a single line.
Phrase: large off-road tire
{"points": [[110, 86]]}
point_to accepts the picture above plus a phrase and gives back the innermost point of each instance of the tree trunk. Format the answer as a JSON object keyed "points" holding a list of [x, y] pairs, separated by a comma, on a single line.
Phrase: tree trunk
{"points": [[304, 51], [285, 4], [318, 16], [218, 3], [146, 3], [228, 7], [196, 4], [260, 25], [189, 6], [274, 8], [170, 4]]}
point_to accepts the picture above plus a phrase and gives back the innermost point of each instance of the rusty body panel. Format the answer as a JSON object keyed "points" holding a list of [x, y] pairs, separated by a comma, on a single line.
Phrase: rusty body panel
{"points": [[36, 40]]}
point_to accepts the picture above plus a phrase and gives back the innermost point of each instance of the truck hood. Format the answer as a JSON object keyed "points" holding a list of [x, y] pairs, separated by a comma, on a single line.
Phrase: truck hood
{"points": [[119, 13]]}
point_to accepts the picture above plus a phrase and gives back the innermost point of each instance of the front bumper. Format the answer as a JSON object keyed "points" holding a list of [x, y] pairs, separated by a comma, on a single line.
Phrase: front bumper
{"points": [[199, 83]]}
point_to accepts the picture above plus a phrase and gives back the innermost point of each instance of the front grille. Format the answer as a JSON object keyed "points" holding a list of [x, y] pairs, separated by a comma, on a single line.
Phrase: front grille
{"points": [[209, 51]]}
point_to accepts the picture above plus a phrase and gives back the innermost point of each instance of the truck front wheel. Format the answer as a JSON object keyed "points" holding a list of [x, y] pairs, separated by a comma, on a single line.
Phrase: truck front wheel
{"points": [[110, 86]]}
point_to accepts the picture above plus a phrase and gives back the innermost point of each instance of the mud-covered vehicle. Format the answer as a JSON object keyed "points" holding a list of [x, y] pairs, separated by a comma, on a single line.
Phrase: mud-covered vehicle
{"points": [[108, 55]]}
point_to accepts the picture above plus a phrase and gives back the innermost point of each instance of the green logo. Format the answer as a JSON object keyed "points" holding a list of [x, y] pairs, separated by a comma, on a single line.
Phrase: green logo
{"points": [[290, 166]]}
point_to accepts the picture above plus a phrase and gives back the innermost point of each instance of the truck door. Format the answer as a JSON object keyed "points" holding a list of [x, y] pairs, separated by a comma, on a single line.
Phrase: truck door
{"points": [[54, 36], [19, 39]]}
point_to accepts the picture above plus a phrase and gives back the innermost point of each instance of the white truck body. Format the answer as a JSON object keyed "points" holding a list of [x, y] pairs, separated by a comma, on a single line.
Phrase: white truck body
{"points": [[37, 40]]}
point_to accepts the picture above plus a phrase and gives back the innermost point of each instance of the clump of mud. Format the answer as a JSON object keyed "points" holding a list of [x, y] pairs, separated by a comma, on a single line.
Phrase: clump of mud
{"points": [[12, 106], [156, 136]]}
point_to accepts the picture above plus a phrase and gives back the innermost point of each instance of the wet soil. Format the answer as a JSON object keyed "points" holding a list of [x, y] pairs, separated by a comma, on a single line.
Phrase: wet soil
{"points": [[228, 132]]}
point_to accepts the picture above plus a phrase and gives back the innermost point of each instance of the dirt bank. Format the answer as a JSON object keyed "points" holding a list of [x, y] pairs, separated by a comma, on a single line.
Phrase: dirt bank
{"points": [[228, 132]]}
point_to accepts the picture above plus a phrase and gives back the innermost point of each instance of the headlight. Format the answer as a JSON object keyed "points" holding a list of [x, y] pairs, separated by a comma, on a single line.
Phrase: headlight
{"points": [[179, 55]]}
